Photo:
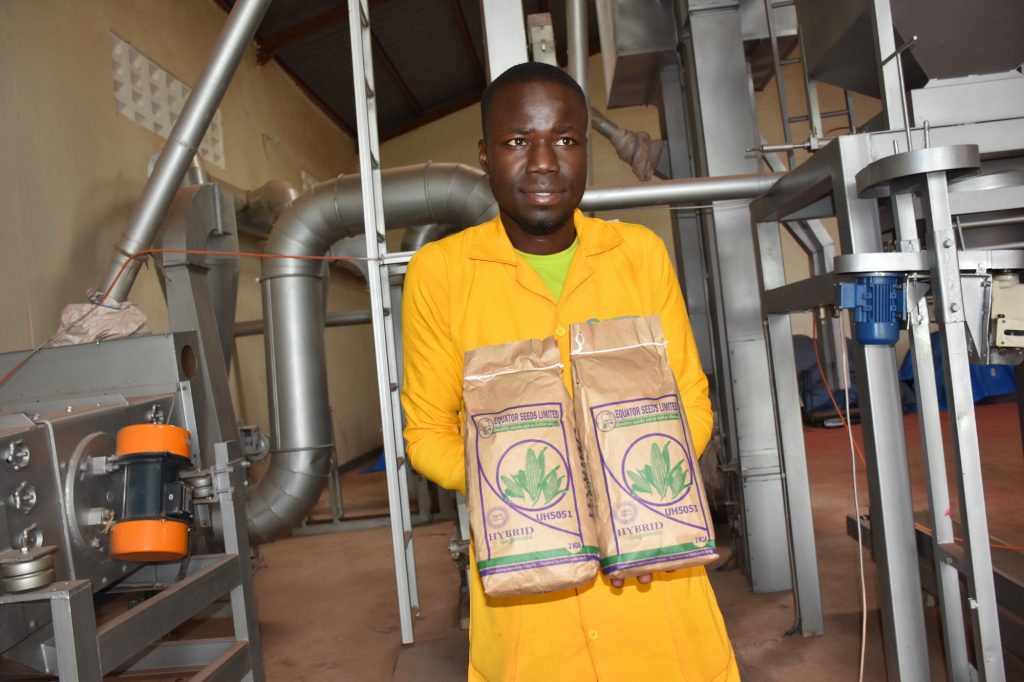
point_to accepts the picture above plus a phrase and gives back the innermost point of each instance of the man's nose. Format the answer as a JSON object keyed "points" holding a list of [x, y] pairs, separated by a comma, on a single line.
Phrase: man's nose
{"points": [[542, 159]]}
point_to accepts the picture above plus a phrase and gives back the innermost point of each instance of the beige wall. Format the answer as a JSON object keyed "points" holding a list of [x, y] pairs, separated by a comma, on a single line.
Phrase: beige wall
{"points": [[72, 169]]}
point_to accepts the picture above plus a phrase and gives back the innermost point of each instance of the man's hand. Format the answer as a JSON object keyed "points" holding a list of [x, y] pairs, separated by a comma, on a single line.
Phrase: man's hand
{"points": [[644, 579]]}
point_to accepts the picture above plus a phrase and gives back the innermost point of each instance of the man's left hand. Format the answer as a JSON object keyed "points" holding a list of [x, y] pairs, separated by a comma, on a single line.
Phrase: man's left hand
{"points": [[644, 579]]}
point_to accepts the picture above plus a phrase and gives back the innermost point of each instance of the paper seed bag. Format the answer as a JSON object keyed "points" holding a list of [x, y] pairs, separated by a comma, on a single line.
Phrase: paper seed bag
{"points": [[650, 507], [531, 526]]}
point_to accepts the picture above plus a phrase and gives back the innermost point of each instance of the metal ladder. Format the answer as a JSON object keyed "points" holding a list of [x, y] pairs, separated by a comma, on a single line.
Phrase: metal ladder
{"points": [[378, 277], [814, 114]]}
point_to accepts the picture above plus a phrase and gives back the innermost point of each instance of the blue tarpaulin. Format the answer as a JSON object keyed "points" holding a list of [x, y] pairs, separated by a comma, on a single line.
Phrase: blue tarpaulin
{"points": [[813, 394], [986, 380]]}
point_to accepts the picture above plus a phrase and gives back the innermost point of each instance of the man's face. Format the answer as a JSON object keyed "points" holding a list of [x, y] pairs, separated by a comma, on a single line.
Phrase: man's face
{"points": [[536, 155]]}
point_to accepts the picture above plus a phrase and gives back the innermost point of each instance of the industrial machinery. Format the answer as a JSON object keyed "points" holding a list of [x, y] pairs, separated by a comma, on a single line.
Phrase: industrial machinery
{"points": [[123, 469]]}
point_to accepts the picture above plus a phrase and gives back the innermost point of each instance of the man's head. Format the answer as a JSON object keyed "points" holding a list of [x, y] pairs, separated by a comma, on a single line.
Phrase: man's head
{"points": [[535, 152]]}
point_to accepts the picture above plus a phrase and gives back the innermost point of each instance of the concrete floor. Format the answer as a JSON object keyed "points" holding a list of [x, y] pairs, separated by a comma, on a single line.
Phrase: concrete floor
{"points": [[329, 612], [328, 609]]}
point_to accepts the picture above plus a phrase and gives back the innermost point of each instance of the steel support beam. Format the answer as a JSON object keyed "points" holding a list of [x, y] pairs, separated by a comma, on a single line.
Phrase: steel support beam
{"points": [[74, 627], [906, 647], [889, 78], [803, 552], [947, 580], [806, 294], [504, 36], [122, 637], [949, 311], [688, 229], [726, 124]]}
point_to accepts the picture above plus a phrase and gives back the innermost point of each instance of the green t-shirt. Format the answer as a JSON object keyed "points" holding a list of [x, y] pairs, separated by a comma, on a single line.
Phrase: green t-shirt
{"points": [[552, 268]]}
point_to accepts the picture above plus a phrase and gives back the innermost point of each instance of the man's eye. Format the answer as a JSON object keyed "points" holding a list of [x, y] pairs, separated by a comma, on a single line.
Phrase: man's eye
{"points": [[565, 142], [516, 142]]}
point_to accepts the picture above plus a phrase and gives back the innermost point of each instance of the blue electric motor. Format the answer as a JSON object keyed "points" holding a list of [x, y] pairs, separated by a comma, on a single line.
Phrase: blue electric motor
{"points": [[877, 303]]}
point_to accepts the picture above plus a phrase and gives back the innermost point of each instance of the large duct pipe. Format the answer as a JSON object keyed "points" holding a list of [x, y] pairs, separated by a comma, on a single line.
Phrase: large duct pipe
{"points": [[181, 146], [449, 194]]}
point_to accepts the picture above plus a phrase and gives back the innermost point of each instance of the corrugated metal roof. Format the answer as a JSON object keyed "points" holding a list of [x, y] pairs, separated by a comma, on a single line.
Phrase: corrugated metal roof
{"points": [[427, 62]]}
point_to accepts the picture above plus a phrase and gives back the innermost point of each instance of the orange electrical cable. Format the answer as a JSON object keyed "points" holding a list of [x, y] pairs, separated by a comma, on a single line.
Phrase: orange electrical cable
{"points": [[202, 252], [828, 389], [152, 252]]}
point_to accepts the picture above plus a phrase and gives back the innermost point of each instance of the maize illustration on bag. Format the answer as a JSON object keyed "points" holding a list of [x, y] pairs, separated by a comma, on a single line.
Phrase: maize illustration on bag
{"points": [[531, 525], [650, 507]]}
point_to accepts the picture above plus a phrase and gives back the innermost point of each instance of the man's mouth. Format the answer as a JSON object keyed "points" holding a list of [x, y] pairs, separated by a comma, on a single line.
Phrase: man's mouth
{"points": [[543, 197]]}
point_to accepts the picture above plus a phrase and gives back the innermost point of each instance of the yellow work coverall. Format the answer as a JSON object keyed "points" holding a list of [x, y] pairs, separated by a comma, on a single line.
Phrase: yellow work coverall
{"points": [[472, 289]]}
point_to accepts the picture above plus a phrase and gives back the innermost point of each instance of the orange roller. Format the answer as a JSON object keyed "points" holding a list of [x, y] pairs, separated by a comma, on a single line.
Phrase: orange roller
{"points": [[140, 438], [154, 518], [149, 540]]}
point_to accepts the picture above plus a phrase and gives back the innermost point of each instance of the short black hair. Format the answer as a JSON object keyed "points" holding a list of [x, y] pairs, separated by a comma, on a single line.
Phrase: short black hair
{"points": [[529, 72]]}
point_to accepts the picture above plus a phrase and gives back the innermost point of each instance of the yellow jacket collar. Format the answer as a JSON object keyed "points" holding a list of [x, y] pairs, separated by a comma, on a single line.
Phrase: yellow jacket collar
{"points": [[491, 243]]}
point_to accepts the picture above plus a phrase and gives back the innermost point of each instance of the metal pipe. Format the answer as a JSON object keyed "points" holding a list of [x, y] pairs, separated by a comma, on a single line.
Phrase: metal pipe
{"points": [[603, 125], [634, 147], [256, 327], [449, 194], [578, 43], [255, 209], [681, 191], [577, 39], [263, 205], [195, 175], [1009, 218], [181, 146]]}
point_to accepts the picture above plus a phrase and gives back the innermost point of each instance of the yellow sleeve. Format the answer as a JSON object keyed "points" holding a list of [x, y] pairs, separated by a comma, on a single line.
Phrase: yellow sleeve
{"points": [[432, 377], [682, 349]]}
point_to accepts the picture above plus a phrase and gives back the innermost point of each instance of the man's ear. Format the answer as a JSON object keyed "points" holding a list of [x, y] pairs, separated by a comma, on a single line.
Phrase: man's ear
{"points": [[482, 155]]}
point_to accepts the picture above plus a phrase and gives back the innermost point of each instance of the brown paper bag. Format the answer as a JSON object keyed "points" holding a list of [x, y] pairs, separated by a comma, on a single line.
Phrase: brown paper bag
{"points": [[650, 507], [531, 526]]}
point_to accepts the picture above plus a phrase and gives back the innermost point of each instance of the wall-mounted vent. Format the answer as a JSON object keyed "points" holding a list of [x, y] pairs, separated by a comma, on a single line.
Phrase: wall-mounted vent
{"points": [[151, 96]]}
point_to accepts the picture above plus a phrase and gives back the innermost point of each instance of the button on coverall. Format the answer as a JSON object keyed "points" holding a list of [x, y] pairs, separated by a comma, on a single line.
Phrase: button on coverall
{"points": [[472, 289]]}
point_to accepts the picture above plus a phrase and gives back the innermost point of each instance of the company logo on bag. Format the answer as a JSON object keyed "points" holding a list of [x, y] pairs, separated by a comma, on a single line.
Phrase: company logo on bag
{"points": [[497, 517], [531, 475], [605, 421], [655, 470], [485, 427], [625, 512]]}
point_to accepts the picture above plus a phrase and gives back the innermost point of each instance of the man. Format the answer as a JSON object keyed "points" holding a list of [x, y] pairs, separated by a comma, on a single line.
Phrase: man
{"points": [[529, 273]]}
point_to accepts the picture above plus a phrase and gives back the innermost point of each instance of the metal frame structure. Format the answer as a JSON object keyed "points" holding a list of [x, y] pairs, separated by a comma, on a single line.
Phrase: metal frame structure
{"points": [[844, 179], [724, 126]]}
